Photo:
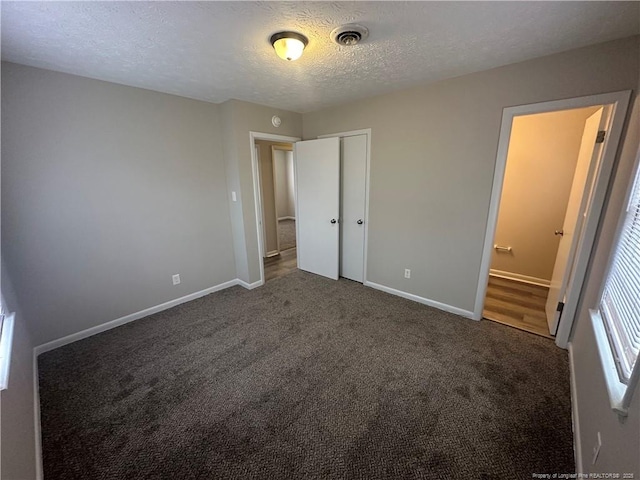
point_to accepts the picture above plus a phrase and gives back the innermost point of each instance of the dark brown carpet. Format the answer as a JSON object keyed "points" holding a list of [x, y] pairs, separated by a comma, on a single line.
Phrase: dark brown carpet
{"points": [[306, 378]]}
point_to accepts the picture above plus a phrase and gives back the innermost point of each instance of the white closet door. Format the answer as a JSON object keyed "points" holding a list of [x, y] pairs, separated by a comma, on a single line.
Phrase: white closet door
{"points": [[317, 170], [353, 186]]}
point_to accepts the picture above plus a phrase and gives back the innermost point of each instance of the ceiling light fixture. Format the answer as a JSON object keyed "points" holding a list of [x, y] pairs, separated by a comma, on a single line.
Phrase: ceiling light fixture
{"points": [[289, 45]]}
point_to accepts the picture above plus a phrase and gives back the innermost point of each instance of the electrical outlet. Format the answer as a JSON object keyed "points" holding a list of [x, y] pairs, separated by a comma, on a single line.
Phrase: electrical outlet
{"points": [[407, 273], [176, 278], [596, 449]]}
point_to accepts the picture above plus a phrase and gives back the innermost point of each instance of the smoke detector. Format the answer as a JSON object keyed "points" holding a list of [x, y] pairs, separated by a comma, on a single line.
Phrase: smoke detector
{"points": [[349, 35]]}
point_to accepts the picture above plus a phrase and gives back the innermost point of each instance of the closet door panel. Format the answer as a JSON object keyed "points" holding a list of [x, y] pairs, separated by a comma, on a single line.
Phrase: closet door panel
{"points": [[353, 191], [317, 172]]}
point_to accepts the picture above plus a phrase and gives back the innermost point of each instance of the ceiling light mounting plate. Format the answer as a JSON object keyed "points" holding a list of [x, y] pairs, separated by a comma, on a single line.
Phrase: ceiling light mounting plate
{"points": [[349, 35]]}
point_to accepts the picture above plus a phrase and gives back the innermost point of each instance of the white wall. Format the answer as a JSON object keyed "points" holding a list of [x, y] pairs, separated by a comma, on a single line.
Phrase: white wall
{"points": [[17, 426], [291, 186], [620, 450], [283, 181], [280, 182], [107, 191], [433, 151], [238, 120]]}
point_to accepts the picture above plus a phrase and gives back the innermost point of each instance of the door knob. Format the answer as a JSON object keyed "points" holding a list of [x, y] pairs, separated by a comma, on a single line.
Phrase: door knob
{"points": [[333, 220], [559, 232], [360, 222]]}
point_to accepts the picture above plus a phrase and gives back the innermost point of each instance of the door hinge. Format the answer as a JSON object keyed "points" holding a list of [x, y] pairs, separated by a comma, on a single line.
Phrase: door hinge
{"points": [[560, 307], [600, 136]]}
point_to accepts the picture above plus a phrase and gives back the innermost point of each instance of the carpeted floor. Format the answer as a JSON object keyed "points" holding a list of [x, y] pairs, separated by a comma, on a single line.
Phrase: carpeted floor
{"points": [[287, 233], [306, 378]]}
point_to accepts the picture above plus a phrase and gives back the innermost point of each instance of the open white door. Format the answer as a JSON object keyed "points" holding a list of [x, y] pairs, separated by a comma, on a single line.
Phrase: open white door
{"points": [[583, 180], [317, 170], [353, 182]]}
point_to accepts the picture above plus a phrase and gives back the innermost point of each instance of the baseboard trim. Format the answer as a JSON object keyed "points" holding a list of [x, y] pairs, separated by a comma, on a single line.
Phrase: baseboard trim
{"points": [[250, 286], [575, 418], [37, 425], [74, 337], [516, 277], [425, 301], [286, 218], [272, 253]]}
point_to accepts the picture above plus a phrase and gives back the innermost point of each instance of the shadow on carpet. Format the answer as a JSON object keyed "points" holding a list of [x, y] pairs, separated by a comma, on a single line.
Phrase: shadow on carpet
{"points": [[306, 378]]}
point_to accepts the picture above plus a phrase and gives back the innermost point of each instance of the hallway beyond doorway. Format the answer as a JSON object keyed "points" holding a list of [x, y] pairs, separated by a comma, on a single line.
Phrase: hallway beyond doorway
{"points": [[287, 233], [517, 305], [280, 265]]}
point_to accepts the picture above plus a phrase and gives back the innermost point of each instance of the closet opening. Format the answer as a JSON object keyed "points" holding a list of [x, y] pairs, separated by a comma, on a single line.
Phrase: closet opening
{"points": [[332, 175]]}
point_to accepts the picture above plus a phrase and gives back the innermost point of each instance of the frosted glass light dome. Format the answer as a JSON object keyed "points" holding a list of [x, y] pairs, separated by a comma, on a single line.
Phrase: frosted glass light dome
{"points": [[289, 45]]}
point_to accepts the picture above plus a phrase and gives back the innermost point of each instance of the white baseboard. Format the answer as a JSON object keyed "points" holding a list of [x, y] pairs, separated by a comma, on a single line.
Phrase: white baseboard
{"points": [[425, 301], [74, 337], [36, 418], [541, 282], [272, 253], [250, 286], [286, 218], [575, 419]]}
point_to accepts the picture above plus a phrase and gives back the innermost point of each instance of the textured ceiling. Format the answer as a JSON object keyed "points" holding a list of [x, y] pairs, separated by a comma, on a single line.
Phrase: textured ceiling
{"points": [[215, 51]]}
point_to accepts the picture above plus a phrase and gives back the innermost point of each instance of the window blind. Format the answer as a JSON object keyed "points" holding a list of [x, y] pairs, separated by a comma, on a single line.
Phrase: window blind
{"points": [[620, 304]]}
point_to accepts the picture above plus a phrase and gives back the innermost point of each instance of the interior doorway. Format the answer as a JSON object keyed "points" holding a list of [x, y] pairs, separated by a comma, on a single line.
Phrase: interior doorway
{"points": [[546, 202], [277, 197], [274, 190], [548, 163]]}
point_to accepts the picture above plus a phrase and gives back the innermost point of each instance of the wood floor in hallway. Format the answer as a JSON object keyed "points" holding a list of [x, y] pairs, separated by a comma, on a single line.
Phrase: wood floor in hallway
{"points": [[517, 304], [280, 265]]}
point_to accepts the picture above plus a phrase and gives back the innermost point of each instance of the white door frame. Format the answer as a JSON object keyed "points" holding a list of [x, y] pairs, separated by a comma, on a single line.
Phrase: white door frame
{"points": [[255, 178], [619, 102], [353, 133], [260, 214]]}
